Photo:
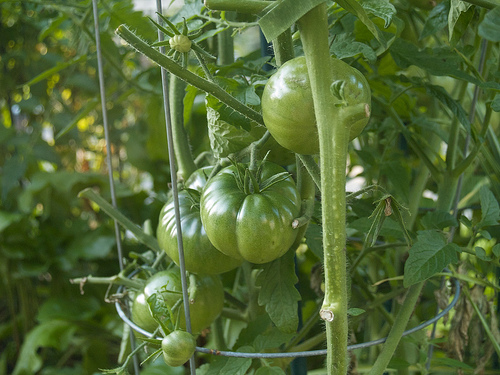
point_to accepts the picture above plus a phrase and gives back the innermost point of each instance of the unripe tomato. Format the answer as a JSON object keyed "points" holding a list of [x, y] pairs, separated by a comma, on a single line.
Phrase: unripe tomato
{"points": [[287, 104], [206, 299], [252, 225], [200, 256], [178, 347], [180, 43]]}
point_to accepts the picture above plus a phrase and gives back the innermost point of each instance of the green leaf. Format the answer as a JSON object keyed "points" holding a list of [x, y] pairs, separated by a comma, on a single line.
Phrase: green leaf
{"points": [[13, 170], [345, 45], [481, 254], [56, 69], [8, 218], [225, 138], [352, 6], [314, 240], [81, 308], [283, 15], [378, 219], [380, 8], [53, 333], [459, 18], [141, 236], [450, 363], [495, 104], [270, 371], [272, 338], [489, 28], [228, 365], [89, 107], [93, 245], [490, 211], [354, 311], [440, 61], [437, 19], [278, 293], [444, 97], [429, 255], [438, 220], [496, 250]]}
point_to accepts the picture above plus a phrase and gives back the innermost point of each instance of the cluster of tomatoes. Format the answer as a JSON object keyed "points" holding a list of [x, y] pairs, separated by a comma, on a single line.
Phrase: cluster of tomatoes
{"points": [[243, 212]]}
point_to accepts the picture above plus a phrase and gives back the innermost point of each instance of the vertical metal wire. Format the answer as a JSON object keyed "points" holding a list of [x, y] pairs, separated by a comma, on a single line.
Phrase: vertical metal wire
{"points": [[173, 174], [102, 89]]}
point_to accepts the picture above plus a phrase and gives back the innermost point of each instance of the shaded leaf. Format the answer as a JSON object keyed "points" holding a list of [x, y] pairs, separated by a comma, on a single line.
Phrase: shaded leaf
{"points": [[228, 365], [459, 17], [380, 8], [489, 28], [429, 255], [53, 333], [438, 220], [267, 370], [437, 20], [278, 293], [314, 240], [355, 8], [450, 363], [490, 211], [354, 311]]}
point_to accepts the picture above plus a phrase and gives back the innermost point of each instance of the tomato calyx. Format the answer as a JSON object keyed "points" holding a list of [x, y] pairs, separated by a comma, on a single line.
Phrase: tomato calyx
{"points": [[250, 182]]}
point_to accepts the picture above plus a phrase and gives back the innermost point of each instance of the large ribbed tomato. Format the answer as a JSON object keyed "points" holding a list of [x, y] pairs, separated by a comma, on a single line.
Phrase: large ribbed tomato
{"points": [[248, 215], [287, 104]]}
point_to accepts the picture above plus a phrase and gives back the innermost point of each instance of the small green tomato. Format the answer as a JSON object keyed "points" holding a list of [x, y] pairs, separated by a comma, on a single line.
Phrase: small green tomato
{"points": [[180, 43], [178, 347]]}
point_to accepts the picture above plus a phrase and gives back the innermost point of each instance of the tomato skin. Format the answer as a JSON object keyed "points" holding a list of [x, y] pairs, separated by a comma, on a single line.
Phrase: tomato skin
{"points": [[141, 314], [287, 104], [178, 347], [200, 256], [206, 298], [254, 226]]}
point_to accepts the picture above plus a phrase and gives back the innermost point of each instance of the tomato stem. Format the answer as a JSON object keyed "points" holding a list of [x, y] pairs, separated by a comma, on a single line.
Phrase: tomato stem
{"points": [[195, 80], [333, 142], [182, 150]]}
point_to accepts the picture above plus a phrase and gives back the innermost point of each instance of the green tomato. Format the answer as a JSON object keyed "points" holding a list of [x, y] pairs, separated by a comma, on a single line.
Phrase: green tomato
{"points": [[141, 314], [287, 104], [178, 347], [200, 256], [246, 222], [206, 299]]}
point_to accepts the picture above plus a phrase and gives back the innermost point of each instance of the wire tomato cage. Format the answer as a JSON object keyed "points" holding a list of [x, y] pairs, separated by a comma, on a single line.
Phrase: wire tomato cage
{"points": [[122, 314]]}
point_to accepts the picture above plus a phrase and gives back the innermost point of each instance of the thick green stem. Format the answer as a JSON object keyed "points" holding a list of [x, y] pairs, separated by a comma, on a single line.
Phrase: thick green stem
{"points": [[225, 46], [283, 48], [203, 84], [183, 155], [241, 6], [333, 157], [397, 330]]}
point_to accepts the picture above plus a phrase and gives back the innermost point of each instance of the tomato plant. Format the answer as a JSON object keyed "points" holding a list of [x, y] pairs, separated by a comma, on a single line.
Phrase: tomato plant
{"points": [[416, 191], [177, 347], [200, 255], [250, 216], [287, 103]]}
